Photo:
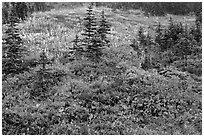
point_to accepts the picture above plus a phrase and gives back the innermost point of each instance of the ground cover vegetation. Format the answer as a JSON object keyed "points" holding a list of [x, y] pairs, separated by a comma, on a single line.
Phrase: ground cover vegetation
{"points": [[100, 69]]}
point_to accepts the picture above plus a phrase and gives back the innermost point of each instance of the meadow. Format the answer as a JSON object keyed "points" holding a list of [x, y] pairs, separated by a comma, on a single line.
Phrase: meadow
{"points": [[115, 96]]}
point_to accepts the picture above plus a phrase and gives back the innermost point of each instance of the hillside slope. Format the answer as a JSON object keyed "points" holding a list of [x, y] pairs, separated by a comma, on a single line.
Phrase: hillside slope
{"points": [[112, 97]]}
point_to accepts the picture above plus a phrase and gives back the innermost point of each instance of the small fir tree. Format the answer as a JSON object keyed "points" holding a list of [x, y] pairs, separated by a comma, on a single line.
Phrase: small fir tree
{"points": [[135, 45], [183, 48], [104, 29], [96, 51], [141, 42], [43, 60], [198, 31], [77, 49], [147, 51], [141, 36], [159, 34], [148, 40], [145, 40], [171, 35], [42, 80]]}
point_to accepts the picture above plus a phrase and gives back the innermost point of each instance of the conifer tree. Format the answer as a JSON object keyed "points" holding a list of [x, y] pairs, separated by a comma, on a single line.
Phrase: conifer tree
{"points": [[45, 78], [198, 31], [13, 49], [92, 39], [147, 51], [5, 12], [42, 79], [158, 38], [77, 49], [171, 32], [104, 29], [141, 36], [198, 23], [97, 48], [145, 47], [148, 40], [13, 8], [43, 60], [171, 35], [195, 35], [144, 39], [183, 48], [21, 10], [135, 45], [90, 30], [141, 40]]}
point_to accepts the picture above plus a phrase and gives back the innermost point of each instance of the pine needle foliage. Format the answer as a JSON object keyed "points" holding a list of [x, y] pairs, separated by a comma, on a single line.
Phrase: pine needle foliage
{"points": [[96, 51], [13, 49], [77, 50], [104, 29], [197, 31], [95, 36], [41, 84], [90, 30]]}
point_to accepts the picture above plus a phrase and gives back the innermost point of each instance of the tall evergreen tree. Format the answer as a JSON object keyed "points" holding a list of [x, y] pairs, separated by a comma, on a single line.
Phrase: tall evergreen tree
{"points": [[13, 49], [90, 34], [90, 28], [104, 29], [5, 12]]}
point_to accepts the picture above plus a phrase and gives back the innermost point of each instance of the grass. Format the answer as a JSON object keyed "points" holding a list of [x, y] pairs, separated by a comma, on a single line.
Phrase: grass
{"points": [[64, 24], [122, 98]]}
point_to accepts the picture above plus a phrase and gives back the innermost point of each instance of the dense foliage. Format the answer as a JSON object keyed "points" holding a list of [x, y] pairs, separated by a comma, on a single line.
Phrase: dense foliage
{"points": [[13, 48], [151, 85], [174, 43], [21, 9], [94, 36], [156, 8], [104, 30]]}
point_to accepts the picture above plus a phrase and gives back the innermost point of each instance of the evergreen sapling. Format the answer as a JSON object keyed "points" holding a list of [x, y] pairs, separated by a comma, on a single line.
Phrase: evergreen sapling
{"points": [[77, 49]]}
